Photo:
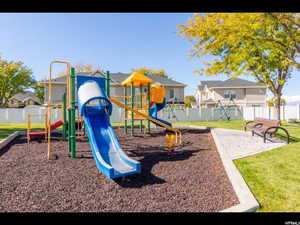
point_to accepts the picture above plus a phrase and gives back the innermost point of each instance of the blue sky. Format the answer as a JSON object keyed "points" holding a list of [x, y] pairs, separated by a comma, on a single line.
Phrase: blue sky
{"points": [[116, 42]]}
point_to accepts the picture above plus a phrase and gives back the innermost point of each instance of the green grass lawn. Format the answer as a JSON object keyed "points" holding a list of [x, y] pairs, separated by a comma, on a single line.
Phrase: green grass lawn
{"points": [[7, 129], [273, 176]]}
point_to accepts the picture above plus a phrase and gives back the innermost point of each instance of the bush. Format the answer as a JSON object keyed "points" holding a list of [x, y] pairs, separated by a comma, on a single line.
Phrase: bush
{"points": [[292, 120]]}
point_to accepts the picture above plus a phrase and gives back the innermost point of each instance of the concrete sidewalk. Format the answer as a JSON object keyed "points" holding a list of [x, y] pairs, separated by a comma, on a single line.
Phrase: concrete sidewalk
{"points": [[239, 144]]}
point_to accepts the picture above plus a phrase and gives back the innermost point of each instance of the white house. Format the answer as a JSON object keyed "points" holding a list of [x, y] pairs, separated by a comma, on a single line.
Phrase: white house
{"points": [[243, 93]]}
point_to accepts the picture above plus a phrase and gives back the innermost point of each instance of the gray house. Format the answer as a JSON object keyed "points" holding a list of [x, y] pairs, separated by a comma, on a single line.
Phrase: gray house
{"points": [[174, 89], [21, 100], [244, 93]]}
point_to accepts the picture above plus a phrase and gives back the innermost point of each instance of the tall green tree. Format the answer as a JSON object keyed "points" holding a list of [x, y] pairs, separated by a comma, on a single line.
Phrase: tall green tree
{"points": [[146, 70], [15, 78], [262, 45]]}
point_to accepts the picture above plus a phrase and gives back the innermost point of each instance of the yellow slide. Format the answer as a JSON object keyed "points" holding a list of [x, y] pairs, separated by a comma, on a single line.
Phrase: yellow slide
{"points": [[176, 131]]}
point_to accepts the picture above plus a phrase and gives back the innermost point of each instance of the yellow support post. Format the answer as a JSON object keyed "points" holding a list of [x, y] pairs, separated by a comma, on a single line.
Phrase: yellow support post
{"points": [[50, 100]]}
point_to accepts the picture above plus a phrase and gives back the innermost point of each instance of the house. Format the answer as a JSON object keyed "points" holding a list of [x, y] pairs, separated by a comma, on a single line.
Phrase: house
{"points": [[23, 99], [243, 93], [174, 89]]}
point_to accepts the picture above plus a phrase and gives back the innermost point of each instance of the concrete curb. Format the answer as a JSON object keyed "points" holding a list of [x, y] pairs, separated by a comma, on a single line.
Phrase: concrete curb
{"points": [[248, 203], [10, 138], [16, 134]]}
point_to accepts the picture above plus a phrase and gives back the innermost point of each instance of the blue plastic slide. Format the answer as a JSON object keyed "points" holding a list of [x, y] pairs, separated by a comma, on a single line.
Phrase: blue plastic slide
{"points": [[155, 109], [107, 152]]}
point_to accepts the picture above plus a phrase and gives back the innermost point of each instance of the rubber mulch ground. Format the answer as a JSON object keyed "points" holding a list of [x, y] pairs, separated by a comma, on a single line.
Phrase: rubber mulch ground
{"points": [[193, 180]]}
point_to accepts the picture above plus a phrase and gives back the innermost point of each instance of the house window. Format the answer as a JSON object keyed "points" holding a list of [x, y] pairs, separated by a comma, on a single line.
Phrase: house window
{"points": [[229, 94], [172, 93]]}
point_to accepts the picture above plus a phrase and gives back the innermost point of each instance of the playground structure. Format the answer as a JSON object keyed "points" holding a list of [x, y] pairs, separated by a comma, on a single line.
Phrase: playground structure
{"points": [[143, 106], [94, 107]]}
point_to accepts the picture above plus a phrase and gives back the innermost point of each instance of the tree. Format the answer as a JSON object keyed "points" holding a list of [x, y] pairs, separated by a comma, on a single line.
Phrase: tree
{"points": [[255, 44], [290, 23], [14, 78], [39, 91], [188, 100], [146, 70], [84, 68], [79, 68], [271, 102]]}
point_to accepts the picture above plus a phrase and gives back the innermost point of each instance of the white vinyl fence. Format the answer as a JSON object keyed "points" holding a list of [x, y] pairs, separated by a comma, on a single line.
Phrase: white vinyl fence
{"points": [[286, 112], [11, 115]]}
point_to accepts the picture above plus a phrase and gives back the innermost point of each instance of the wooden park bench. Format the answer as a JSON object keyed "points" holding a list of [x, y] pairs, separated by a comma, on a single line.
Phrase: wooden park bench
{"points": [[264, 127]]}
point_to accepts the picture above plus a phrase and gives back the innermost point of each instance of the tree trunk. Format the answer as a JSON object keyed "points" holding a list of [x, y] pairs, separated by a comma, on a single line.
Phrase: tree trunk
{"points": [[277, 105]]}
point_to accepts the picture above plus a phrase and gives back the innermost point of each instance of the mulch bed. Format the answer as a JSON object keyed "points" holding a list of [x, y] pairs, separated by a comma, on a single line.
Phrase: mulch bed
{"points": [[193, 180]]}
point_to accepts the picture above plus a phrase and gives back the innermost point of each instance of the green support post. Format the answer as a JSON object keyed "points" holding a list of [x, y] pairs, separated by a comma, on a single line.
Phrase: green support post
{"points": [[65, 116], [72, 118], [141, 106], [132, 113], [69, 130], [126, 116], [107, 84], [148, 122]]}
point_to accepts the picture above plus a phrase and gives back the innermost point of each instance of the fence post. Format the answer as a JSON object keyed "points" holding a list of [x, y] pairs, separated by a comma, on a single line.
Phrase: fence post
{"points": [[7, 114], [56, 114], [23, 114], [253, 112], [199, 114], [299, 112]]}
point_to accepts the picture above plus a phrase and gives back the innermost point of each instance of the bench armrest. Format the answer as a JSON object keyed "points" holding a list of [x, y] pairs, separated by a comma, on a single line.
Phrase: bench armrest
{"points": [[251, 121], [277, 127], [255, 125]]}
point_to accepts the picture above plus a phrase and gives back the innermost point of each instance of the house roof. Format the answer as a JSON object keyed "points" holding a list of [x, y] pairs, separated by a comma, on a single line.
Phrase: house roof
{"points": [[237, 82], [25, 96], [118, 78]]}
